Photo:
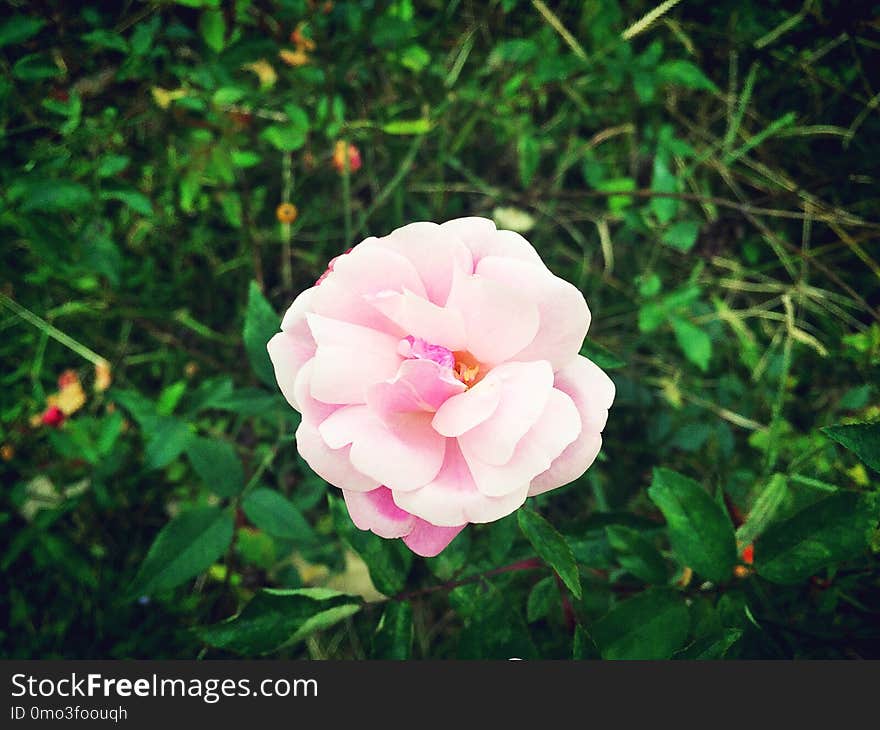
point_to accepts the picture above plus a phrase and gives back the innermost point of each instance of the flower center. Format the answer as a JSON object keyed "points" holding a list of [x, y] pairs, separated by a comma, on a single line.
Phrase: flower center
{"points": [[467, 369], [464, 366]]}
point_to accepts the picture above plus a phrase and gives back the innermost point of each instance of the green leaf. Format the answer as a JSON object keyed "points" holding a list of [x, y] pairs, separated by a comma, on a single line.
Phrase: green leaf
{"points": [[542, 597], [249, 402], [763, 510], [681, 235], [583, 646], [684, 73], [111, 165], [260, 323], [618, 203], [35, 67], [694, 342], [18, 29], [54, 196], [407, 126], [286, 137], [138, 202], [275, 514], [167, 439], [143, 35], [279, 617], [528, 151], [217, 465], [863, 439], [103, 38], [185, 547], [415, 58], [244, 158], [502, 535], [551, 548], [601, 355], [394, 634], [637, 555], [821, 535], [233, 210], [711, 647], [226, 95], [700, 533], [663, 181], [652, 625], [493, 626], [212, 26]]}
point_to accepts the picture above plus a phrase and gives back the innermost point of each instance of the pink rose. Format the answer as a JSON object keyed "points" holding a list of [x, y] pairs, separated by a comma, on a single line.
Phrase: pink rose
{"points": [[438, 377]]}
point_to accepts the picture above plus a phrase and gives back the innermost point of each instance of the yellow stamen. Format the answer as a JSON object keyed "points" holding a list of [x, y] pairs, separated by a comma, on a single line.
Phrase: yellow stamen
{"points": [[467, 368]]}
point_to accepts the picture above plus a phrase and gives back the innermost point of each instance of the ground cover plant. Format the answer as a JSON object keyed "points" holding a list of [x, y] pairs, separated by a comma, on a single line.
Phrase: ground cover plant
{"points": [[173, 174]]}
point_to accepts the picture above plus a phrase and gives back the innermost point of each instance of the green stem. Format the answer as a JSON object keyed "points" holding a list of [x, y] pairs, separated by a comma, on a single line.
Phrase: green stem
{"points": [[53, 332]]}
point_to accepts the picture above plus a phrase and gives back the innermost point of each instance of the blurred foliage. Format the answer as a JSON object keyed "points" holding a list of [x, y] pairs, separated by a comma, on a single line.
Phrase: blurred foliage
{"points": [[706, 174]]}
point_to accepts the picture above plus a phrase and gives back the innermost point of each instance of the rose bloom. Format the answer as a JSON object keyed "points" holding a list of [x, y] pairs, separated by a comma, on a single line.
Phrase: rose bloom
{"points": [[438, 377]]}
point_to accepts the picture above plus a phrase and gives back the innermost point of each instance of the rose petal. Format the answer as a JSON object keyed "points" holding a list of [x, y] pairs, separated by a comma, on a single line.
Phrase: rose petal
{"points": [[313, 411], [332, 465], [420, 318], [376, 511], [362, 273], [436, 254], [525, 388], [429, 540], [564, 315], [288, 354], [462, 412], [499, 321], [452, 498], [401, 459], [569, 465], [349, 359], [592, 393], [420, 386], [481, 237], [558, 426]]}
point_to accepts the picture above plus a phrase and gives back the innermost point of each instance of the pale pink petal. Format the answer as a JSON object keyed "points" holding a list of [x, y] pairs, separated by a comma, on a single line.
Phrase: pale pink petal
{"points": [[525, 388], [402, 458], [376, 511], [288, 354], [499, 320], [481, 237], [569, 465], [429, 540], [293, 346], [592, 393], [591, 390], [463, 412], [452, 497], [564, 315], [350, 359], [418, 317], [436, 253], [362, 273], [313, 411], [332, 465], [558, 426], [420, 386], [294, 320]]}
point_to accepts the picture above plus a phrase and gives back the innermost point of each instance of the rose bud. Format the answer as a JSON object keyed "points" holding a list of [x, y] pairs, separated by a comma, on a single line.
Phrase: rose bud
{"points": [[354, 157], [438, 377]]}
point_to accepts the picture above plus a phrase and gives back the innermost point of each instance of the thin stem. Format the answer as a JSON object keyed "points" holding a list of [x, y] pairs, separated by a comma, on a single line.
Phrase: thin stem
{"points": [[527, 564], [53, 332]]}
